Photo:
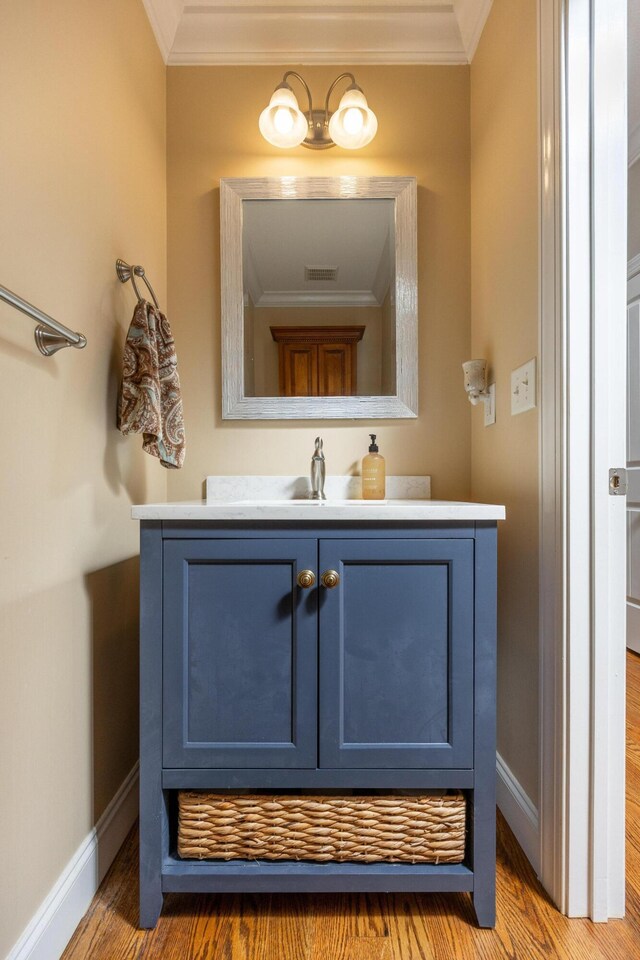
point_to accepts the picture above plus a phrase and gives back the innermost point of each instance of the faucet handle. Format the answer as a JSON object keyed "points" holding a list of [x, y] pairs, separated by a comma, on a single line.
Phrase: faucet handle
{"points": [[318, 450]]}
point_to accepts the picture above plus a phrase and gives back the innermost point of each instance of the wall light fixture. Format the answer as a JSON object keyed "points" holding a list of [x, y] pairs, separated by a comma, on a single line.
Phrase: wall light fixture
{"points": [[284, 124], [475, 380]]}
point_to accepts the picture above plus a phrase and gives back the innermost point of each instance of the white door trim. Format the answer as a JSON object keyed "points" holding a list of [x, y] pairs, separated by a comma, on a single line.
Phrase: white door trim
{"points": [[633, 453], [582, 338], [608, 449], [551, 857], [577, 483]]}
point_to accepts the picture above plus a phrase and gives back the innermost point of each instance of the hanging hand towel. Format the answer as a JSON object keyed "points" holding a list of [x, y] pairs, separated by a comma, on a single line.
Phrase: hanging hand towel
{"points": [[150, 401]]}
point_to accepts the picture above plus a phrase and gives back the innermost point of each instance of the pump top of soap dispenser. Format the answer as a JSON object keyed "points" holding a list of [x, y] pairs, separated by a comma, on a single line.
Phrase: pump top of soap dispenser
{"points": [[373, 446]]}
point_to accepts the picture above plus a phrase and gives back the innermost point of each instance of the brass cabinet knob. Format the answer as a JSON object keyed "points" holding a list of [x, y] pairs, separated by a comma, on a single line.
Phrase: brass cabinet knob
{"points": [[306, 579], [330, 579]]}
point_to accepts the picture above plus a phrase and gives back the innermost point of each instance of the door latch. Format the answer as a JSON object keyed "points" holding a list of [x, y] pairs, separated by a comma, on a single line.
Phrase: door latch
{"points": [[618, 483]]}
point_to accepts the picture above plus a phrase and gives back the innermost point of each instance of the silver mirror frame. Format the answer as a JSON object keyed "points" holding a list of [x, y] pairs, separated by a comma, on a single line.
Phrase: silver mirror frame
{"points": [[235, 405]]}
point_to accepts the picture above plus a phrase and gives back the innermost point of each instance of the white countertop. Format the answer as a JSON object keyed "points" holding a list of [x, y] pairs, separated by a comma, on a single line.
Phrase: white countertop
{"points": [[319, 511]]}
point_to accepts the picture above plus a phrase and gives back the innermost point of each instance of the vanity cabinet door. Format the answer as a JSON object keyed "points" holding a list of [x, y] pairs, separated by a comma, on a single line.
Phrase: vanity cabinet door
{"points": [[396, 654], [239, 654]]}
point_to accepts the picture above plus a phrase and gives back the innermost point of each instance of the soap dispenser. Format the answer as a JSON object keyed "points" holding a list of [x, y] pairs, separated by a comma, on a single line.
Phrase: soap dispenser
{"points": [[373, 473]]}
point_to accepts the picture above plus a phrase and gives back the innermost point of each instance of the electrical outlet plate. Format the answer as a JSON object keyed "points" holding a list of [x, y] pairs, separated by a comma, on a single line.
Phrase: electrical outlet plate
{"points": [[523, 388], [490, 406]]}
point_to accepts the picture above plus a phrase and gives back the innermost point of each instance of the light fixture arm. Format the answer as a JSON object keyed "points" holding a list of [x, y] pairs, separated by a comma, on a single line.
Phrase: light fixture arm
{"points": [[292, 73], [337, 80]]}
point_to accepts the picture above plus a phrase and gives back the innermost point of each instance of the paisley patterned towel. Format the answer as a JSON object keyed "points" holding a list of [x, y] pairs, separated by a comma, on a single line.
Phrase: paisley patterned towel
{"points": [[150, 401]]}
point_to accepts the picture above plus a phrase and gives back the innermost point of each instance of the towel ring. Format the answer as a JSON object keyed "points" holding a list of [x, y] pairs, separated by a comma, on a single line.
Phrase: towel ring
{"points": [[126, 271]]}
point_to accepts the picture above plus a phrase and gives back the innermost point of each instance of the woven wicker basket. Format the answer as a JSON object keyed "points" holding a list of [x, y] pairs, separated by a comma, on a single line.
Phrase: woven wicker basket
{"points": [[397, 829]]}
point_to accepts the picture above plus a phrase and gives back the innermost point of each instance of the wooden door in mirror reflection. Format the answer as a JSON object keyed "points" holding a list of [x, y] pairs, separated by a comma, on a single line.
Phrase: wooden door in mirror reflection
{"points": [[317, 361]]}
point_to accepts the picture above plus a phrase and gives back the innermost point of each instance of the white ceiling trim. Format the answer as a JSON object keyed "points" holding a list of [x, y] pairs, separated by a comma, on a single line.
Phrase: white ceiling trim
{"points": [[317, 298], [313, 57], [164, 17], [472, 16], [240, 32], [438, 6]]}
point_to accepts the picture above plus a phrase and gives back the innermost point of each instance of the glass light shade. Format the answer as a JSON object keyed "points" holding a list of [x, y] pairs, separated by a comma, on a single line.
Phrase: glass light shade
{"points": [[282, 123], [475, 378], [353, 124]]}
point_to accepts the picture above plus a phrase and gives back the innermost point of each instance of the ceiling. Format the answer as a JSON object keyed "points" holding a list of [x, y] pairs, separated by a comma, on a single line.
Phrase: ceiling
{"points": [[298, 31]]}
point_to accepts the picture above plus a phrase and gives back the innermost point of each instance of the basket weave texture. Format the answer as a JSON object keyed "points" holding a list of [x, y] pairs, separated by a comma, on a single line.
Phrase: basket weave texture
{"points": [[396, 829]]}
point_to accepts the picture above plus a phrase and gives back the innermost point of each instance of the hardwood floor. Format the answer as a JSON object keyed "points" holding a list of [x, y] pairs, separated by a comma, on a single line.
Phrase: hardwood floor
{"points": [[370, 926]]}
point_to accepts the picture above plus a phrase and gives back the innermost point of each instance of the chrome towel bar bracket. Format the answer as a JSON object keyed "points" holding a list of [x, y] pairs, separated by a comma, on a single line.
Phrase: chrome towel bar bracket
{"points": [[50, 336], [127, 271]]}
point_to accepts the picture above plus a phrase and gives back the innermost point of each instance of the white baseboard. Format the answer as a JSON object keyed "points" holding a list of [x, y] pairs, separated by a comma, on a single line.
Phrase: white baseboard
{"points": [[53, 924], [520, 813]]}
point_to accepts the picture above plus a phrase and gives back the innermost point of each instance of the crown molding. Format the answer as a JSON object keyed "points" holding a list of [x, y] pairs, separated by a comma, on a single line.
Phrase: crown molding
{"points": [[317, 298], [164, 17], [446, 58], [250, 6], [471, 16], [270, 32]]}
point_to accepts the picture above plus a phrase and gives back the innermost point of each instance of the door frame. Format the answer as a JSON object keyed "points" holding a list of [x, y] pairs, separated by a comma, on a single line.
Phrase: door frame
{"points": [[583, 196], [633, 296]]}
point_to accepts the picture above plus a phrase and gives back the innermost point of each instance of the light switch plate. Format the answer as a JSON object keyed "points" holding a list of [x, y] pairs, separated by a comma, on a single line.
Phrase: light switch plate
{"points": [[523, 388], [490, 406]]}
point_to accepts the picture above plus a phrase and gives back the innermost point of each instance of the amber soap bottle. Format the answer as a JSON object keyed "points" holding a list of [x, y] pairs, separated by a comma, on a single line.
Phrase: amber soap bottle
{"points": [[373, 473]]}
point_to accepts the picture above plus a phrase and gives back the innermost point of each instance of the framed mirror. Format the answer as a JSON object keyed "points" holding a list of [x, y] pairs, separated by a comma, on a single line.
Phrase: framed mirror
{"points": [[319, 298]]}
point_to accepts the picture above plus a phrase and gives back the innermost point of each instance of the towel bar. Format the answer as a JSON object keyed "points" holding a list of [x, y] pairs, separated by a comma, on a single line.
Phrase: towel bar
{"points": [[50, 336]]}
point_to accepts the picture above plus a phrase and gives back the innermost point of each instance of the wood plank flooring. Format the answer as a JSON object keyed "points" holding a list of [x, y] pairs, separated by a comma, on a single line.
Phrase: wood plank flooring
{"points": [[370, 926]]}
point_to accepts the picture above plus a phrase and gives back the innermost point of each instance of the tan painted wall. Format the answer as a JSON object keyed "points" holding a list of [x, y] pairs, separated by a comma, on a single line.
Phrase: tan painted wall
{"points": [[212, 123], [633, 232], [504, 298], [82, 181]]}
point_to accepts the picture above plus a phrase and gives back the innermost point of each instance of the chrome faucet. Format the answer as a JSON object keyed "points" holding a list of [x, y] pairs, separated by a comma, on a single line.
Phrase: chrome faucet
{"points": [[317, 472]]}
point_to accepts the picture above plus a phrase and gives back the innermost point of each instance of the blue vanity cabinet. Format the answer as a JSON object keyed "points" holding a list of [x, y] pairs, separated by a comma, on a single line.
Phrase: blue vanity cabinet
{"points": [[380, 679], [239, 654]]}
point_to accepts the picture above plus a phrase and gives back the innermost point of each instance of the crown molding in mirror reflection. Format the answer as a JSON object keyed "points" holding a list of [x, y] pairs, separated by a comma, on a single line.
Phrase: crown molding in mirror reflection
{"points": [[236, 405]]}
